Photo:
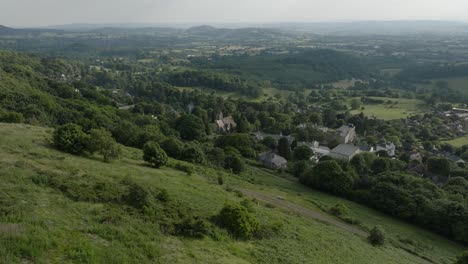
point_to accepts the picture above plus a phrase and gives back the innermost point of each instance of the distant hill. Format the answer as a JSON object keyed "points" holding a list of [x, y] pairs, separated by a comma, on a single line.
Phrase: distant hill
{"points": [[398, 27]]}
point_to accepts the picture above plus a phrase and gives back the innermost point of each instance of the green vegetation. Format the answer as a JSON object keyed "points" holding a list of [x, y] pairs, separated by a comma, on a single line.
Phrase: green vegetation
{"points": [[458, 142], [97, 228], [391, 108]]}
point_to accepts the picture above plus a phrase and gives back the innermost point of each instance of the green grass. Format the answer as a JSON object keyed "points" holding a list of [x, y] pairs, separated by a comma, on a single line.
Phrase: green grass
{"points": [[458, 142], [39, 224], [403, 109]]}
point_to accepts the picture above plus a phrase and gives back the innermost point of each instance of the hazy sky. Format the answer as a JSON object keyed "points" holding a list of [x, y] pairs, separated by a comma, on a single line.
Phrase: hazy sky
{"points": [[54, 12]]}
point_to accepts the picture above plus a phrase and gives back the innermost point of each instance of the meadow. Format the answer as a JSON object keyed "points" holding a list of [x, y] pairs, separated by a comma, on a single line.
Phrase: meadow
{"points": [[399, 108], [42, 224], [458, 142]]}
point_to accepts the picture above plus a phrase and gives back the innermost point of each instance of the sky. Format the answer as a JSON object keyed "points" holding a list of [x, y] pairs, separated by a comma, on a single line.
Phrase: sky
{"points": [[35, 13]]}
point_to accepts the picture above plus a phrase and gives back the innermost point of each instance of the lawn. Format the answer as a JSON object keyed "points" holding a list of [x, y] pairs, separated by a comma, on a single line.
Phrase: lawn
{"points": [[402, 109], [39, 224], [458, 142]]}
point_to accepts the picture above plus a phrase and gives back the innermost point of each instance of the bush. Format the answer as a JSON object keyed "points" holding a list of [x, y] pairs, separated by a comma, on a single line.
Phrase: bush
{"points": [[183, 167], [11, 117], [101, 141], [339, 210], [154, 154], [463, 258], [220, 180], [328, 176], [194, 227], [268, 231], [70, 138], [376, 236], [137, 196], [238, 221]]}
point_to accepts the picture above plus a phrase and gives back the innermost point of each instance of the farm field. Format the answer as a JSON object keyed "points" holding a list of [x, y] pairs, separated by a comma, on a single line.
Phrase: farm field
{"points": [[403, 108], [458, 142], [43, 224]]}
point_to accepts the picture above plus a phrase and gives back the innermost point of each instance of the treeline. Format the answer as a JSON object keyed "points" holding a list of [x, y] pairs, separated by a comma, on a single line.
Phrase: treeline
{"points": [[296, 70], [383, 184], [217, 81]]}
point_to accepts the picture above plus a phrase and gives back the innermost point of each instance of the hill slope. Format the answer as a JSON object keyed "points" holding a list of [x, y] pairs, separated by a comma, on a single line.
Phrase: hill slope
{"points": [[59, 208]]}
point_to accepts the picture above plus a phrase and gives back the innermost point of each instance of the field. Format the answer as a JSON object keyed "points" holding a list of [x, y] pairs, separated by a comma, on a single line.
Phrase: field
{"points": [[402, 109], [40, 224], [457, 83], [458, 142]]}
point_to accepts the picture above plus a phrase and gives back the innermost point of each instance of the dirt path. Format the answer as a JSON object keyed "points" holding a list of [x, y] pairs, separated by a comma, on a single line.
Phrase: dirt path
{"points": [[305, 212], [315, 215]]}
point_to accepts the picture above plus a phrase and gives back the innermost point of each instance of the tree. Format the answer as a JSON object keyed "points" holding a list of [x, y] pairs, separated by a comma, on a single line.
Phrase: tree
{"points": [[284, 150], [271, 142], [376, 236], [154, 154], [439, 166], [101, 141], [328, 176], [234, 162], [173, 147], [302, 153], [238, 221], [190, 127], [193, 153], [355, 104], [380, 165], [70, 138]]}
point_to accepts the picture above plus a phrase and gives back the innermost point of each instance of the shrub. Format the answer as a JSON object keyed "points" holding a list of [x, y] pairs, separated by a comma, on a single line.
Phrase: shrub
{"points": [[339, 210], [154, 154], [70, 138], [101, 141], [183, 167], [376, 236], [11, 117], [238, 221], [163, 196], [220, 180], [268, 230], [192, 227], [137, 196]]}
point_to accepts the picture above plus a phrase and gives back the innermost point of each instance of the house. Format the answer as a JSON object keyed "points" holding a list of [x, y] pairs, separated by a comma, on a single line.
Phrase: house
{"points": [[365, 147], [455, 158], [273, 161], [319, 151], [387, 147], [415, 156], [345, 134], [226, 124], [344, 152]]}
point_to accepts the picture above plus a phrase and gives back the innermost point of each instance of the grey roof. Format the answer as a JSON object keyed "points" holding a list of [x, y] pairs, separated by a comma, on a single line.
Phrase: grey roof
{"points": [[364, 147], [345, 149], [272, 158], [345, 129]]}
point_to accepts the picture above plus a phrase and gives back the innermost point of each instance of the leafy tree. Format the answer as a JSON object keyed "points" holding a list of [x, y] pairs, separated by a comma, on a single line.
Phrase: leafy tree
{"points": [[70, 138], [302, 153], [439, 166], [355, 104], [101, 141], [238, 221], [234, 162], [328, 176], [173, 147], [380, 165], [154, 154], [300, 167], [284, 150], [376, 236], [190, 127], [242, 142], [271, 142], [193, 153]]}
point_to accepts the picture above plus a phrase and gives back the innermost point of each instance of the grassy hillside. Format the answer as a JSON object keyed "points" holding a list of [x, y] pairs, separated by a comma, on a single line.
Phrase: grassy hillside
{"points": [[43, 222], [402, 109]]}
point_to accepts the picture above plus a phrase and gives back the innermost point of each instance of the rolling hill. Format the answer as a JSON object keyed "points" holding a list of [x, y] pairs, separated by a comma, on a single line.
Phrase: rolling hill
{"points": [[60, 208]]}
